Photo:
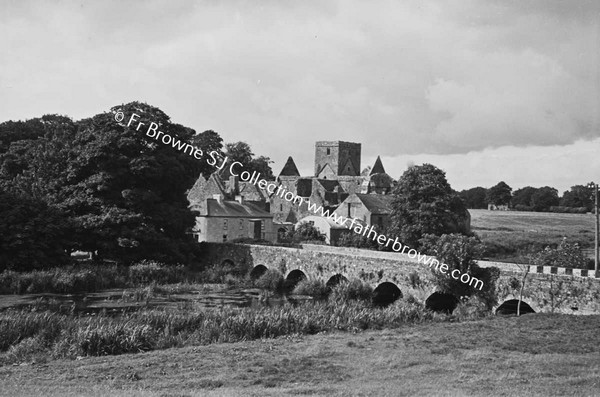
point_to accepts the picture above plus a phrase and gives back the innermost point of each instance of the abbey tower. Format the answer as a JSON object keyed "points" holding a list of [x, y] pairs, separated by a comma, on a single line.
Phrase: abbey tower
{"points": [[336, 158]]}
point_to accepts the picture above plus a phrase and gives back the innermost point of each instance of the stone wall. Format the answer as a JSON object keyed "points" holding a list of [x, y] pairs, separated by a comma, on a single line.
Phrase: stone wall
{"points": [[554, 290]]}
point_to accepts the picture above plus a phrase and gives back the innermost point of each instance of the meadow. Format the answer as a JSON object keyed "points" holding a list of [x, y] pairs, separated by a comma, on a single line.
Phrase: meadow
{"points": [[533, 355], [510, 235]]}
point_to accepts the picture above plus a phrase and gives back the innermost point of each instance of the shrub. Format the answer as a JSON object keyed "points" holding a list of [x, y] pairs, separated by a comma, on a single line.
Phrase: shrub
{"points": [[148, 271], [70, 279], [305, 232], [459, 252], [271, 280], [314, 288], [471, 309], [414, 279], [355, 289], [565, 255], [523, 207], [355, 240]]}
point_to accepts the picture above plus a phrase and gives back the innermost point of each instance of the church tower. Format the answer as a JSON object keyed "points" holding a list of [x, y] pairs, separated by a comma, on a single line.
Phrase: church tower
{"points": [[336, 158]]}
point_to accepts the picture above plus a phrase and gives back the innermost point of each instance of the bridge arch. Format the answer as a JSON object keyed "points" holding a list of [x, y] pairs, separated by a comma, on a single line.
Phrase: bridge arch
{"points": [[441, 302], [510, 307], [227, 262], [293, 278], [258, 271], [386, 293], [336, 279]]}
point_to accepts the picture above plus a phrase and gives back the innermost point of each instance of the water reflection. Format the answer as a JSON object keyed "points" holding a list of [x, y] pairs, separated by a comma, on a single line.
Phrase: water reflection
{"points": [[119, 301]]}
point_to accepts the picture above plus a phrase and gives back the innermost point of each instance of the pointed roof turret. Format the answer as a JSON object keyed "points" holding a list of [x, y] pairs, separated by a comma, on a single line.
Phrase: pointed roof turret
{"points": [[289, 169], [377, 167]]}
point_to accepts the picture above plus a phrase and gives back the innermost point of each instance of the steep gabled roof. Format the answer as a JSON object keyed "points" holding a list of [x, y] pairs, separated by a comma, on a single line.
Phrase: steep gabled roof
{"points": [[328, 184], [378, 204], [235, 209], [349, 168], [250, 191], [289, 169], [291, 217], [377, 167], [324, 171]]}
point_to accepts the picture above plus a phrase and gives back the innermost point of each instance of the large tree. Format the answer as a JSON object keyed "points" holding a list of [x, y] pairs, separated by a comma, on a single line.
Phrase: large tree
{"points": [[474, 197], [579, 196], [544, 198], [208, 141], [522, 196], [499, 194], [124, 193], [32, 234], [424, 203], [240, 151]]}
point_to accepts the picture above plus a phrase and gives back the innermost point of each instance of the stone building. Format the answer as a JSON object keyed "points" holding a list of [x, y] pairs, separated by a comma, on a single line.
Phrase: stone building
{"points": [[336, 158], [225, 220], [371, 209], [337, 176], [230, 209]]}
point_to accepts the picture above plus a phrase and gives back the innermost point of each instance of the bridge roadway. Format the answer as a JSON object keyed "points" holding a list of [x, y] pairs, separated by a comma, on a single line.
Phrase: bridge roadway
{"points": [[389, 273]]}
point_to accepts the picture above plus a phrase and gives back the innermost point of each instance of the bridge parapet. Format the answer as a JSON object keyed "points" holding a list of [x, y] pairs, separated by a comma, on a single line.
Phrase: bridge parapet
{"points": [[547, 289]]}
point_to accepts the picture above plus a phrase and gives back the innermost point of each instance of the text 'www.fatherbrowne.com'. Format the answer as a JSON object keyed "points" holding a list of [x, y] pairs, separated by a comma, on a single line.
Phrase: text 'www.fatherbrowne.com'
{"points": [[236, 169]]}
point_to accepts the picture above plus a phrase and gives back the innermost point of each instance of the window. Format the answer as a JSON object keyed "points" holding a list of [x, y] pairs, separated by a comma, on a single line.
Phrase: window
{"points": [[328, 151], [224, 238], [241, 224], [224, 224], [349, 210], [281, 207], [380, 220]]}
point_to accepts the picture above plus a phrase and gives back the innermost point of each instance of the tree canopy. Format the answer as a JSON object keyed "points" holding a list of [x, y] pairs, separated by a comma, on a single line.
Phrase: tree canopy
{"points": [[579, 196], [499, 194], [544, 198], [424, 203], [120, 194], [240, 151], [474, 197]]}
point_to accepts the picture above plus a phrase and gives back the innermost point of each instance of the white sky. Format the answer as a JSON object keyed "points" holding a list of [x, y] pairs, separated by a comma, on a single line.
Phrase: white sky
{"points": [[486, 90]]}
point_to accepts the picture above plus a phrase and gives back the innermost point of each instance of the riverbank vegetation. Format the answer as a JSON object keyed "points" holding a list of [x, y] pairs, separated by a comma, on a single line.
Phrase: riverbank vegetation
{"points": [[33, 336]]}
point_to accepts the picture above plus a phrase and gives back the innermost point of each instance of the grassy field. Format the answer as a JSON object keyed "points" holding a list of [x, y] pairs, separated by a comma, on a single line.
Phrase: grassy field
{"points": [[510, 234], [540, 354]]}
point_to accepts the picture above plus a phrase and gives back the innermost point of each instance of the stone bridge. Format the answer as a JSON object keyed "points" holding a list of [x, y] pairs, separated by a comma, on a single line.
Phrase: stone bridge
{"points": [[393, 275]]}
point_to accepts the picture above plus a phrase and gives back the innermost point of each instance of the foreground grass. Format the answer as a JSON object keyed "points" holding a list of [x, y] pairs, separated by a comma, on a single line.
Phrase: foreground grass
{"points": [[27, 336], [540, 354]]}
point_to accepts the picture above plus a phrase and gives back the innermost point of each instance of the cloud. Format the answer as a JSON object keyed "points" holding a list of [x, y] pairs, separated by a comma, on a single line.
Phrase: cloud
{"points": [[403, 78], [557, 166]]}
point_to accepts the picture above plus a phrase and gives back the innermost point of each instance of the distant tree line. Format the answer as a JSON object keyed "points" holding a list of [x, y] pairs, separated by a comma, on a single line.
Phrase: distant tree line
{"points": [[579, 199]]}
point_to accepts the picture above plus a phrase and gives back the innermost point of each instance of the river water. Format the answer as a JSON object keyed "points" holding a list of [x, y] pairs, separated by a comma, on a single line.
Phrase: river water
{"points": [[121, 300]]}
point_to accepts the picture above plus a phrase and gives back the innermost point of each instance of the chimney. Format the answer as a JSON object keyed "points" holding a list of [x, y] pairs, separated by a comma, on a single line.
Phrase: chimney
{"points": [[239, 199], [218, 197], [234, 185]]}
